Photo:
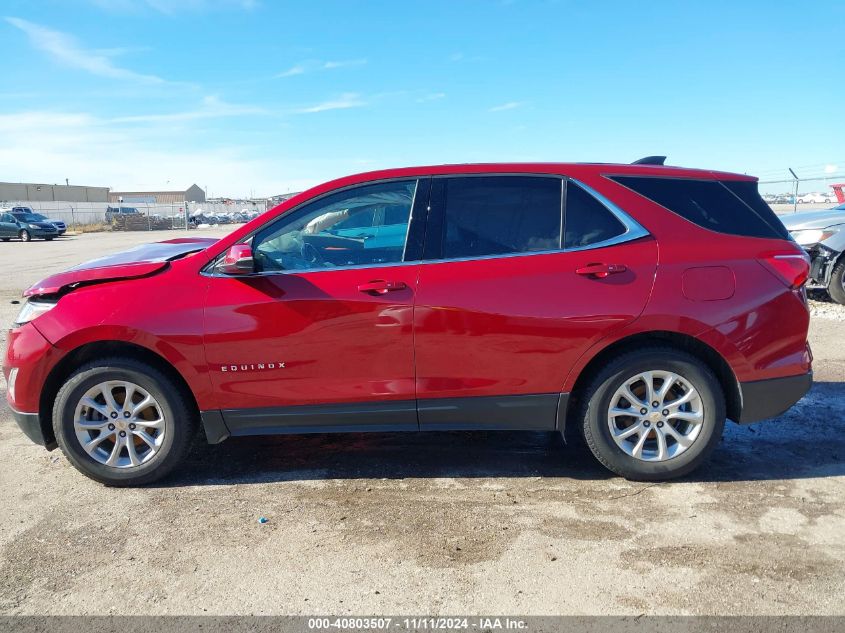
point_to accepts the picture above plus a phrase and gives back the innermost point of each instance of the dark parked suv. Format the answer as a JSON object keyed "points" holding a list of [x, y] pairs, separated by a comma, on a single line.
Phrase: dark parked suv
{"points": [[112, 212], [640, 305]]}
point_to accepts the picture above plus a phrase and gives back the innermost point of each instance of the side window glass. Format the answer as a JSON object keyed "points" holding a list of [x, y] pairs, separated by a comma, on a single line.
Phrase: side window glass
{"points": [[342, 229], [363, 220], [587, 221], [735, 208], [498, 215]]}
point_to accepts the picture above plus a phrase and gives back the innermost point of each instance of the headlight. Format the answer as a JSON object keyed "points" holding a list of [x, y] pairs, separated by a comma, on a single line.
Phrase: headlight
{"points": [[32, 226], [808, 237], [33, 309]]}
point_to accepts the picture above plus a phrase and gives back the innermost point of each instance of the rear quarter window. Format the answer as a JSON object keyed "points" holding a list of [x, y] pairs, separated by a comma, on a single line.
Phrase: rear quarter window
{"points": [[732, 207], [587, 221]]}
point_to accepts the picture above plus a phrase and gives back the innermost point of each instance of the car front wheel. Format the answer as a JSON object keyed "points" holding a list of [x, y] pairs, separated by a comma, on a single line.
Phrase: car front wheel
{"points": [[122, 422], [836, 288], [653, 414], [25, 236]]}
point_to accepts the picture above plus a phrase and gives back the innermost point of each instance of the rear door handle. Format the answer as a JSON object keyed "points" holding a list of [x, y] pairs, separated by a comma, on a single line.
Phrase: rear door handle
{"points": [[381, 287], [600, 271]]}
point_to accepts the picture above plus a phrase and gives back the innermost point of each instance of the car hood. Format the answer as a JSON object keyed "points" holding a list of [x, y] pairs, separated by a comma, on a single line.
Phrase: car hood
{"points": [[813, 219], [136, 262]]}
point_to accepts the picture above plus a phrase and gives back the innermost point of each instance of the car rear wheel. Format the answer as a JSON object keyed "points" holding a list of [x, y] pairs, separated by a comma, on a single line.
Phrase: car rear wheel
{"points": [[653, 414], [836, 288], [122, 422], [25, 235]]}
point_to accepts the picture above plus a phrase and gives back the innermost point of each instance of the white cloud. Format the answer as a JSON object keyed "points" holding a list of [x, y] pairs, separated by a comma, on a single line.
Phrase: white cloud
{"points": [[299, 69], [345, 101], [211, 108], [831, 169], [344, 63], [312, 65], [117, 51], [510, 105], [65, 49], [434, 96], [49, 146], [20, 122]]}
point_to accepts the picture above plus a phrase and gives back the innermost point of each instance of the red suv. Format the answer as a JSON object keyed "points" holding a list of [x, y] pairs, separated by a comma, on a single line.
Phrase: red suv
{"points": [[641, 304]]}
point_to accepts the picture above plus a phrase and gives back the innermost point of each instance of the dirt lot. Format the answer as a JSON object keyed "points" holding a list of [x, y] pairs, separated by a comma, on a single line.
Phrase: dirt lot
{"points": [[425, 523]]}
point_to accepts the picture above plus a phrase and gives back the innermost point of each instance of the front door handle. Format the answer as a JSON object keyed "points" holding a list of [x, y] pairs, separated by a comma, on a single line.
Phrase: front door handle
{"points": [[600, 271], [381, 287]]}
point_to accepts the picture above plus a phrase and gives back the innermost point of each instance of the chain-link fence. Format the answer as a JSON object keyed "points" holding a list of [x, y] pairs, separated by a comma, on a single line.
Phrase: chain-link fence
{"points": [[127, 216], [802, 194]]}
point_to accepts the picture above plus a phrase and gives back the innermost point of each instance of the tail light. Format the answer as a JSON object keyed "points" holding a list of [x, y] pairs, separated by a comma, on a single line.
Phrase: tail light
{"points": [[790, 267]]}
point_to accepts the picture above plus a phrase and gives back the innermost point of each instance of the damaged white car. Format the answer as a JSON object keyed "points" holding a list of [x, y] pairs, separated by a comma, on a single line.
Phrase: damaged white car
{"points": [[822, 235]]}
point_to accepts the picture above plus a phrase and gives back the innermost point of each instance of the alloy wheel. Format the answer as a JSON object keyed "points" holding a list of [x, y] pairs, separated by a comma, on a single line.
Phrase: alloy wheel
{"points": [[655, 415], [119, 424]]}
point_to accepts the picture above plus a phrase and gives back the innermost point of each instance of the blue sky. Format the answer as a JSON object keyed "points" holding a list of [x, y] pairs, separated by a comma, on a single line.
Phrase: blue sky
{"points": [[262, 96]]}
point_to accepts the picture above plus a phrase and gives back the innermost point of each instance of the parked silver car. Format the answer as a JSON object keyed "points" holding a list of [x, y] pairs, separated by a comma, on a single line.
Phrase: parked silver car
{"points": [[822, 234]]}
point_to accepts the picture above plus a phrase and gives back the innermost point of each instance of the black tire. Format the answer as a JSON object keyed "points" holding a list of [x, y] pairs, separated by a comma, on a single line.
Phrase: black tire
{"points": [[836, 288], [48, 239], [25, 235], [593, 417], [6, 239], [180, 421]]}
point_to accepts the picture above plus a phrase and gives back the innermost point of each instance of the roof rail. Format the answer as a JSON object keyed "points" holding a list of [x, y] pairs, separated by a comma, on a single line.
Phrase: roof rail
{"points": [[650, 160]]}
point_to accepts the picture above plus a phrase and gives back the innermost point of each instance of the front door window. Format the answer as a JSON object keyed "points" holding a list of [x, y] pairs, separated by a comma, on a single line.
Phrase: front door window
{"points": [[357, 227]]}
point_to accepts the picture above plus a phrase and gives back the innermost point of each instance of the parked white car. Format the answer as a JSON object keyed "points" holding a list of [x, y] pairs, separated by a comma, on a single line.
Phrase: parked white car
{"points": [[816, 198]]}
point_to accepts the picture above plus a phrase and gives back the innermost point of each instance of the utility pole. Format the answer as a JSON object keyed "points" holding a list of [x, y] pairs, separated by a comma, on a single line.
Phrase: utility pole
{"points": [[795, 196]]}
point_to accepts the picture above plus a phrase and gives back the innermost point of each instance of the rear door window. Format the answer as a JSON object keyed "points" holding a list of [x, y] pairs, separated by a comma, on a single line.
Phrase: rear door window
{"points": [[732, 207], [500, 215]]}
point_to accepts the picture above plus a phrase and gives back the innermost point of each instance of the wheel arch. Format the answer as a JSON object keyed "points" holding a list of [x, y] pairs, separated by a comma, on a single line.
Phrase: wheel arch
{"points": [[690, 344], [100, 349]]}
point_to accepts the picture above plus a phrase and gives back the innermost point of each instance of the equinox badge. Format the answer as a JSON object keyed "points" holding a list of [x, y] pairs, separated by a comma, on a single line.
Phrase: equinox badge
{"points": [[252, 367]]}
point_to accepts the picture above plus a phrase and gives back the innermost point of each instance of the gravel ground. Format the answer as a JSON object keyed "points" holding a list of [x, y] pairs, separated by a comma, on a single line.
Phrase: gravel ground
{"points": [[822, 307], [430, 523]]}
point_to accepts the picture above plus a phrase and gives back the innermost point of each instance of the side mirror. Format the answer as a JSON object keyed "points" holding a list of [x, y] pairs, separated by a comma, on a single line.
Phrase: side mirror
{"points": [[238, 261]]}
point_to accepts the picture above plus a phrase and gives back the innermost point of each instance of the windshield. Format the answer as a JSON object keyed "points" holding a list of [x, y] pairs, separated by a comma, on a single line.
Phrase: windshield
{"points": [[30, 217]]}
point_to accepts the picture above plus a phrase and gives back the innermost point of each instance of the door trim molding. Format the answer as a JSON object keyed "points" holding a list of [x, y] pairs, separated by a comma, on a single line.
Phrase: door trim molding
{"points": [[524, 412], [530, 412], [391, 415]]}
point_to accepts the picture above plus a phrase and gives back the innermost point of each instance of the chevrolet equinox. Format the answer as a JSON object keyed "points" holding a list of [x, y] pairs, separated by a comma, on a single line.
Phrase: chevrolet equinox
{"points": [[642, 305]]}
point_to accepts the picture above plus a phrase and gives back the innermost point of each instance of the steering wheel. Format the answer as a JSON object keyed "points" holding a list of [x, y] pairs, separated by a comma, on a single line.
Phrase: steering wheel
{"points": [[311, 254]]}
